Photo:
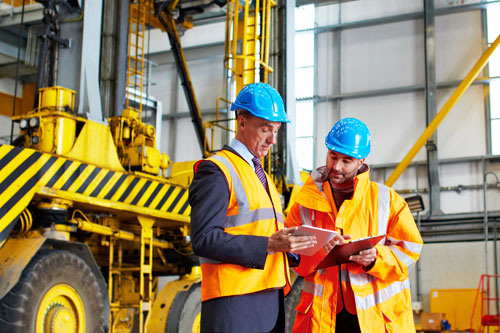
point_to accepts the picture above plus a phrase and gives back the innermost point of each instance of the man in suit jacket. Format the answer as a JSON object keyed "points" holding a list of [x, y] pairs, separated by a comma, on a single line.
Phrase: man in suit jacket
{"points": [[237, 224]]}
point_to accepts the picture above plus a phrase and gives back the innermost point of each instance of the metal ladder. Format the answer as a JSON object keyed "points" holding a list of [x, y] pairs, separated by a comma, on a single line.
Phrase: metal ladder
{"points": [[135, 70], [247, 41]]}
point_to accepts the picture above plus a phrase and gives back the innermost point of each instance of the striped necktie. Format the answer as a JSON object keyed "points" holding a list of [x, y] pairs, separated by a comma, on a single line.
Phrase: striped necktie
{"points": [[259, 171]]}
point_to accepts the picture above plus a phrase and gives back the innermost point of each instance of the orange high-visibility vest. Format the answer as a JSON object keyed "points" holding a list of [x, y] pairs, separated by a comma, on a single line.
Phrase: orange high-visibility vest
{"points": [[251, 211], [382, 295]]}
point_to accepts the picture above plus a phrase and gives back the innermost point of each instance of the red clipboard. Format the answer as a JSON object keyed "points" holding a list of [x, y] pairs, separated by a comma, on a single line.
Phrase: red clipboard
{"points": [[340, 254]]}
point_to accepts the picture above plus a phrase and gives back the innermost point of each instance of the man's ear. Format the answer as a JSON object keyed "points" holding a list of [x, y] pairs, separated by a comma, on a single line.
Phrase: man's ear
{"points": [[241, 122], [361, 162]]}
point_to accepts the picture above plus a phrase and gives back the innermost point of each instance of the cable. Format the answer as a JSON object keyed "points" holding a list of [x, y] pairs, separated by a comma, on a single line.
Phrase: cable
{"points": [[17, 74]]}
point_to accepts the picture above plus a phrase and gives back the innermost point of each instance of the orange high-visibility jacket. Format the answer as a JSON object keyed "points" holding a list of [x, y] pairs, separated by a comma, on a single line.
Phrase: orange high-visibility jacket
{"points": [[251, 211], [382, 293]]}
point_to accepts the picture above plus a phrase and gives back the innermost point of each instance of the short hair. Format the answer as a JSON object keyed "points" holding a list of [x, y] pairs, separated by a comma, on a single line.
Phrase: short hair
{"points": [[244, 113]]}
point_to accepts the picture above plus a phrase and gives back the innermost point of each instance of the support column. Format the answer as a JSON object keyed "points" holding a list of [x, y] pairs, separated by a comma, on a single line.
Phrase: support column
{"points": [[291, 165], [431, 108], [108, 56], [121, 62], [90, 96]]}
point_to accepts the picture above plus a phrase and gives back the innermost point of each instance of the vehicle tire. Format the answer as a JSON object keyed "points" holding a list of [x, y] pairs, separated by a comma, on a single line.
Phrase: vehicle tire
{"points": [[291, 302], [57, 292], [185, 312]]}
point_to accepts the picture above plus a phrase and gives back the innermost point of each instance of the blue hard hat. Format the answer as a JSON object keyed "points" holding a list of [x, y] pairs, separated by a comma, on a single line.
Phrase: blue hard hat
{"points": [[349, 136], [261, 100]]}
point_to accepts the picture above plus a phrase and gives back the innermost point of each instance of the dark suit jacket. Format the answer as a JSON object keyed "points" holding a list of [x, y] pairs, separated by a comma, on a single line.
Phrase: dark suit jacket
{"points": [[209, 200]]}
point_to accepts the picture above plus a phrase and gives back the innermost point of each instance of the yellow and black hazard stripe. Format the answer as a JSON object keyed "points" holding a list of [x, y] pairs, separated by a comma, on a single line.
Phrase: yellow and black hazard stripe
{"points": [[25, 172]]}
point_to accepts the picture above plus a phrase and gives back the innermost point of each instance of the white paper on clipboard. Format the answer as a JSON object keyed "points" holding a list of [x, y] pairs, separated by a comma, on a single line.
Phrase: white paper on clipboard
{"points": [[323, 236]]}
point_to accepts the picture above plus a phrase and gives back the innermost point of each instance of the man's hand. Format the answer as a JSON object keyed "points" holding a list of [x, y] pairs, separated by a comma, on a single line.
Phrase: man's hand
{"points": [[337, 240], [283, 241], [365, 257]]}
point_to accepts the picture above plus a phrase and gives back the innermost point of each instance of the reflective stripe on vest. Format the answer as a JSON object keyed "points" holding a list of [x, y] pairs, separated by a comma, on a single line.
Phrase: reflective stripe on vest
{"points": [[383, 215], [317, 289], [382, 295], [386, 293], [383, 222], [396, 287], [305, 216], [249, 199], [253, 215], [384, 202], [245, 215], [313, 288], [412, 247], [361, 279]]}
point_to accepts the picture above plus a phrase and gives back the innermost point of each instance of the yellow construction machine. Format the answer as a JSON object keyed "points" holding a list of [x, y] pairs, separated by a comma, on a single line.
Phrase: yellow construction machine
{"points": [[89, 222]]}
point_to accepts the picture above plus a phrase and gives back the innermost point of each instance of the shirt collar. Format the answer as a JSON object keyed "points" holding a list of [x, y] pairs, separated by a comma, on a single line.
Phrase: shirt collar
{"points": [[243, 151]]}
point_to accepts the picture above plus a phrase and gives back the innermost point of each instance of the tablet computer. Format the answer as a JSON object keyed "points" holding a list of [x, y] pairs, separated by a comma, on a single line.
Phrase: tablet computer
{"points": [[323, 236]]}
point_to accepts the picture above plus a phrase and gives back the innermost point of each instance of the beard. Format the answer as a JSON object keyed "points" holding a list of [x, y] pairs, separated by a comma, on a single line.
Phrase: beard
{"points": [[340, 178], [336, 177]]}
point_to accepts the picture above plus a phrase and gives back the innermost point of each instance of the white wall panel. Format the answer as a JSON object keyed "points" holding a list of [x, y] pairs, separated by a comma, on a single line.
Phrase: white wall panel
{"points": [[458, 44], [5, 127], [462, 132], [452, 3], [165, 85], [207, 79], [465, 201], [198, 35], [327, 70], [369, 9], [205, 34], [407, 182], [395, 123], [7, 87], [164, 90], [382, 56], [470, 201], [454, 174], [390, 56], [167, 137], [186, 143], [326, 116], [327, 15]]}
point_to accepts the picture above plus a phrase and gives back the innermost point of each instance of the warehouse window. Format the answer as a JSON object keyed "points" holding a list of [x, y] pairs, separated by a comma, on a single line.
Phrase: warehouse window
{"points": [[304, 85], [494, 71]]}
